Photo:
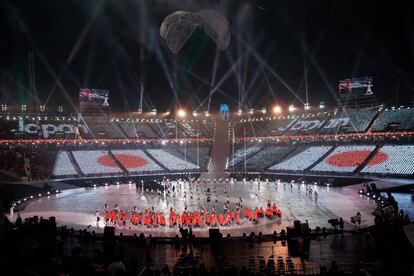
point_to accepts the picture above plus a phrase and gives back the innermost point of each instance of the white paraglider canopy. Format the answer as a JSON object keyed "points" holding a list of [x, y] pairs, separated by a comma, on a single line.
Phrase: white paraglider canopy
{"points": [[178, 27]]}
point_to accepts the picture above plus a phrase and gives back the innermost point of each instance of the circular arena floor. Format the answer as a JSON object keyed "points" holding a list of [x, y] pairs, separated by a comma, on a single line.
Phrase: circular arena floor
{"points": [[76, 208]]}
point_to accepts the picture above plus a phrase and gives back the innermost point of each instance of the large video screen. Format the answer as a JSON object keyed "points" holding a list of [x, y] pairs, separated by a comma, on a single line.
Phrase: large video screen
{"points": [[355, 87], [93, 98]]}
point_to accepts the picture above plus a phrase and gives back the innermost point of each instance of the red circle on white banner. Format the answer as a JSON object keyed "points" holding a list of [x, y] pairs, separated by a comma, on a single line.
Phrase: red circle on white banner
{"points": [[127, 160], [354, 158]]}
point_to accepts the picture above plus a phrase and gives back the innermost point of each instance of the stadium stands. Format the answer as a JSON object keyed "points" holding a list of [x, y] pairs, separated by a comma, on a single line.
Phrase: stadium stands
{"points": [[170, 161], [105, 130], [348, 122], [392, 160], [129, 128], [94, 162], [241, 153], [135, 161], [63, 165], [395, 119], [190, 152], [307, 124], [261, 127], [267, 157], [345, 159], [301, 160]]}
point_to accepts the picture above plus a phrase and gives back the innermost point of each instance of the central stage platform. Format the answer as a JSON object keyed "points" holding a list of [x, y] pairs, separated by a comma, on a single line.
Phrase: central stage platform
{"points": [[76, 207]]}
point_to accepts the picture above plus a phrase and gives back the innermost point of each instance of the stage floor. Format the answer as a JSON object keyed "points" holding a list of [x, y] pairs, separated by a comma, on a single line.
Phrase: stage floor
{"points": [[76, 208]]}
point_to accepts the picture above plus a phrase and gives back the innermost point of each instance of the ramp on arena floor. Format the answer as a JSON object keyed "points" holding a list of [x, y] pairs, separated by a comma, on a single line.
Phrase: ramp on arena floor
{"points": [[219, 152]]}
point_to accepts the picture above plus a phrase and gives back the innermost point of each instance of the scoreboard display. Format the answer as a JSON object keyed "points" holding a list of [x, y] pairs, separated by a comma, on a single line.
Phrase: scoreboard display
{"points": [[355, 87], [93, 99]]}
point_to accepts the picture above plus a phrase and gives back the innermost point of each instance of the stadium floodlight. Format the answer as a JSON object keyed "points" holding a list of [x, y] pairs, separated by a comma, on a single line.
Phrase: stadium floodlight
{"points": [[206, 113], [42, 108], [181, 113], [263, 110], [307, 106], [277, 109], [139, 111], [195, 114], [239, 112], [154, 112], [60, 109], [321, 105], [292, 108], [251, 111], [4, 107]]}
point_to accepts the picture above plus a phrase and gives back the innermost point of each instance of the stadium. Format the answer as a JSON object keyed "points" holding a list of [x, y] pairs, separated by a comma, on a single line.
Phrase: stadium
{"points": [[223, 162]]}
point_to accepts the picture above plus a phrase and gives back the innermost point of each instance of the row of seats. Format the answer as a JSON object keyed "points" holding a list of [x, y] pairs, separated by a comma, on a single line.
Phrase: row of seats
{"points": [[243, 153], [172, 162], [136, 161], [343, 122], [348, 122], [302, 159], [345, 159], [261, 128], [392, 160], [267, 157], [402, 118], [93, 128], [95, 162], [63, 165]]}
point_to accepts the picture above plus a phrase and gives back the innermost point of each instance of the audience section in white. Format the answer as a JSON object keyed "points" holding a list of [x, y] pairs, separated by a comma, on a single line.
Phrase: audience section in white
{"points": [[136, 161], [302, 160], [345, 159], [171, 162], [393, 160], [95, 162], [63, 166]]}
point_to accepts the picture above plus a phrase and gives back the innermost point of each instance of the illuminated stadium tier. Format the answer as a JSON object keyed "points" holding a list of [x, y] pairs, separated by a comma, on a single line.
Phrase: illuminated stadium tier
{"points": [[239, 154], [172, 162], [395, 119], [136, 161], [392, 160], [63, 165], [345, 159], [302, 160], [93, 162], [261, 159], [267, 157]]}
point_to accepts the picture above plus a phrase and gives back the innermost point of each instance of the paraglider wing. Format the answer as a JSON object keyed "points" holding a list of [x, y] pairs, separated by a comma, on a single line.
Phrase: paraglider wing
{"points": [[177, 28], [216, 26]]}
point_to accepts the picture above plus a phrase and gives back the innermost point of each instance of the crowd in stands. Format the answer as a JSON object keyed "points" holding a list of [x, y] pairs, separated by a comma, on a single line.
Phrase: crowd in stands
{"points": [[89, 164], [37, 161], [260, 160], [172, 162], [302, 160], [25, 127], [402, 118], [345, 159], [399, 161], [63, 166], [242, 153], [12, 160], [124, 158]]}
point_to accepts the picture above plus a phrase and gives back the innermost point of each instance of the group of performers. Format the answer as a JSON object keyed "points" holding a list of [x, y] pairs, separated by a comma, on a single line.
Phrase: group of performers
{"points": [[195, 219]]}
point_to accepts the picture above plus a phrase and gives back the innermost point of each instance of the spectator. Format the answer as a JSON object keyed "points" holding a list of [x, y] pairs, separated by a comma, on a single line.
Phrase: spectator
{"points": [[341, 224], [117, 267]]}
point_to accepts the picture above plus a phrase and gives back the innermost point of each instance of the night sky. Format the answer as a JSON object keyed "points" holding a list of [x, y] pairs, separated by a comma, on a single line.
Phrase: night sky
{"points": [[115, 45]]}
